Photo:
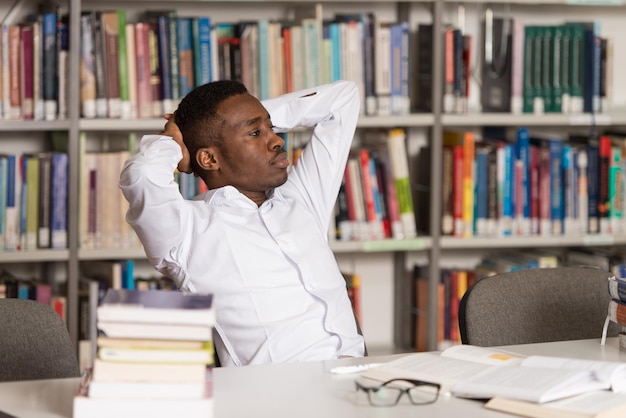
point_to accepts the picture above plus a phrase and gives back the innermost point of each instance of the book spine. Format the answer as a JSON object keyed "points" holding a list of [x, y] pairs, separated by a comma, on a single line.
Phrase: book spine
{"points": [[131, 60], [382, 79], [87, 72], [615, 190], [162, 30], [468, 183], [32, 168], [517, 66], [12, 211], [44, 210], [556, 186], [111, 53], [369, 64], [50, 65], [27, 98], [100, 65], [202, 53], [38, 69], [447, 223], [4, 66], [604, 161], [481, 191], [122, 61], [63, 70], [185, 56], [399, 162], [156, 89], [457, 185], [142, 57], [3, 197], [58, 197], [583, 191]]}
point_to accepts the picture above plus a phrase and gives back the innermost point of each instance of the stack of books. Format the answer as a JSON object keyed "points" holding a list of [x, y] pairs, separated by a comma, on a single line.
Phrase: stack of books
{"points": [[154, 357], [617, 306]]}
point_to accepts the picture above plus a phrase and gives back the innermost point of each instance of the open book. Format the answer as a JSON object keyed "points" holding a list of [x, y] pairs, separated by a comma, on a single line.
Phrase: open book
{"points": [[596, 404], [483, 373]]}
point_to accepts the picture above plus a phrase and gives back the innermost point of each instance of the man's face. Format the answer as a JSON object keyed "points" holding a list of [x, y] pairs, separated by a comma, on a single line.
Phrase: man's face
{"points": [[253, 159]]}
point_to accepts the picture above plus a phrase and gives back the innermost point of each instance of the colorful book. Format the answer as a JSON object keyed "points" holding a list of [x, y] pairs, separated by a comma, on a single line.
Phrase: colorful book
{"points": [[59, 200], [400, 169]]}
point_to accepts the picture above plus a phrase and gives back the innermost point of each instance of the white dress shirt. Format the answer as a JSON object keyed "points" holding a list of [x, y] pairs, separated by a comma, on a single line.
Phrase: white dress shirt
{"points": [[278, 292]]}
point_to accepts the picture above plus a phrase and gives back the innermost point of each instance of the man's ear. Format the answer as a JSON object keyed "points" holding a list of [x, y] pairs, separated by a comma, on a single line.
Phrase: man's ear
{"points": [[207, 158]]}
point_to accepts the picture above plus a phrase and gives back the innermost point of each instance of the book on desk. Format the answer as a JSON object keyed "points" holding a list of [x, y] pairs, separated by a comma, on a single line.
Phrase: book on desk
{"points": [[486, 373], [154, 356]]}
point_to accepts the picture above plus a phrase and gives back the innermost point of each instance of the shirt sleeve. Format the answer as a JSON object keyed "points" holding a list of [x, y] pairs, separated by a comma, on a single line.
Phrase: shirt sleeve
{"points": [[332, 110], [157, 211]]}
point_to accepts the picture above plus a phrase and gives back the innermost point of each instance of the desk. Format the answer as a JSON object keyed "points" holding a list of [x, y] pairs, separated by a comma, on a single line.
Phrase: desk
{"points": [[303, 390]]}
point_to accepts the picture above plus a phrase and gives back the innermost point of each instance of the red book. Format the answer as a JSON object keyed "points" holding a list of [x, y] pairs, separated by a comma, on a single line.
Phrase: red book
{"points": [[534, 190], [368, 192], [27, 85]]}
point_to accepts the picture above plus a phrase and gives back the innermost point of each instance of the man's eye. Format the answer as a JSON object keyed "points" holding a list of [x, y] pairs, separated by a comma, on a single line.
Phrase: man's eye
{"points": [[255, 133]]}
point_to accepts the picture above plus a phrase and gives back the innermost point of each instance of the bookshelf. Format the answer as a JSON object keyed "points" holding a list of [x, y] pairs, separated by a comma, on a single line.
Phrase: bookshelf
{"points": [[398, 256]]}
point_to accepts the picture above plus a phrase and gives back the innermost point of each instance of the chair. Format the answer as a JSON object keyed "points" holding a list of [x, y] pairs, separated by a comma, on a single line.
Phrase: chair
{"points": [[535, 305], [34, 342]]}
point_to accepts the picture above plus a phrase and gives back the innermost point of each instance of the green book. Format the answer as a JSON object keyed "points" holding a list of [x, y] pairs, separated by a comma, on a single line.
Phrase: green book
{"points": [[528, 88]]}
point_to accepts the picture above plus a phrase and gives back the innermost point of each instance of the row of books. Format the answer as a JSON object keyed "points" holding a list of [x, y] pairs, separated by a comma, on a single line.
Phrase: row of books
{"points": [[375, 199], [33, 201], [154, 356], [559, 68], [34, 57], [532, 185], [455, 281], [143, 69], [102, 207], [12, 286]]}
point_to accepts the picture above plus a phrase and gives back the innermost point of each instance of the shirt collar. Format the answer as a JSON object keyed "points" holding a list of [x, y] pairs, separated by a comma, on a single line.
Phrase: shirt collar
{"points": [[230, 196]]}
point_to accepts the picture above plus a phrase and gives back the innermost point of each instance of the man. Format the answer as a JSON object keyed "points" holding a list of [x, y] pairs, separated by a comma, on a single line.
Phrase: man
{"points": [[257, 239]]}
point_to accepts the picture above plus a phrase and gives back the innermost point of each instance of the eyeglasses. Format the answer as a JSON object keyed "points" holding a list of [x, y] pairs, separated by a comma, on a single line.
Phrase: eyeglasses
{"points": [[390, 392]]}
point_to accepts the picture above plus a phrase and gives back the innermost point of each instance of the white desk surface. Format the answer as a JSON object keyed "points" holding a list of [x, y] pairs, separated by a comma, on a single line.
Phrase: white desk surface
{"points": [[300, 390]]}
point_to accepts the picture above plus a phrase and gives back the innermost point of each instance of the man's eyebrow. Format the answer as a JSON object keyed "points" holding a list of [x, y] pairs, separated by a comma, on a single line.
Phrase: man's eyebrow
{"points": [[254, 121]]}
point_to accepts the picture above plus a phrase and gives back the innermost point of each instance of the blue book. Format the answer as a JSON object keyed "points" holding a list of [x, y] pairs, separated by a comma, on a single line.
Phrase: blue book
{"points": [[523, 155], [3, 198], [202, 50], [50, 73], [481, 200], [556, 185], [335, 38], [162, 23], [128, 274], [507, 189], [13, 200], [593, 185], [58, 200], [400, 101]]}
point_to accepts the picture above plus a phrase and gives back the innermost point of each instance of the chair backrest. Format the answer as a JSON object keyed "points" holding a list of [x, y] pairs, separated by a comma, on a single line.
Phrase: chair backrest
{"points": [[34, 342], [536, 305]]}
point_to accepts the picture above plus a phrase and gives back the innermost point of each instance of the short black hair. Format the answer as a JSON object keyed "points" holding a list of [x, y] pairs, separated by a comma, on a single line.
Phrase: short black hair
{"points": [[197, 118]]}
